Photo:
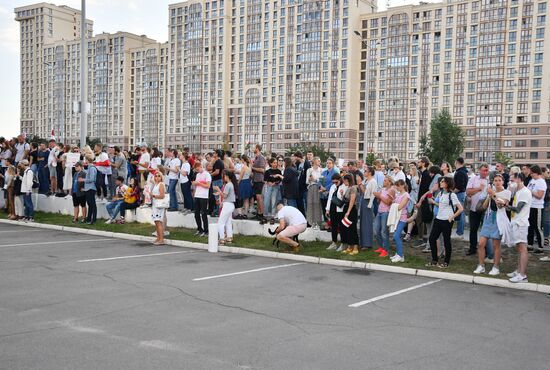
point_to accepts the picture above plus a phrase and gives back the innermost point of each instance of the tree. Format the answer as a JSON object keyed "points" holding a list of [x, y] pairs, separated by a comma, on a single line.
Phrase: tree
{"points": [[503, 158], [370, 158], [92, 142], [318, 150], [445, 141]]}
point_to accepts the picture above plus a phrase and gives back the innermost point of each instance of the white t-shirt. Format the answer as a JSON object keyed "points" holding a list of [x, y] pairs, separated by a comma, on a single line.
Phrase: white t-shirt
{"points": [[174, 162], [155, 163], [52, 157], [398, 176], [445, 209], [144, 158], [536, 185], [21, 150], [292, 216], [187, 168], [203, 177], [522, 218], [6, 154]]}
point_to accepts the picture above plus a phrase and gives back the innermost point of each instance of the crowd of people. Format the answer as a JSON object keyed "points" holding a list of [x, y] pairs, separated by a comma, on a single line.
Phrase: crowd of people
{"points": [[360, 204]]}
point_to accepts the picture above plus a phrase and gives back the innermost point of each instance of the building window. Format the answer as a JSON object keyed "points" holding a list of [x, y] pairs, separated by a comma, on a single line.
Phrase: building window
{"points": [[534, 155], [534, 130]]}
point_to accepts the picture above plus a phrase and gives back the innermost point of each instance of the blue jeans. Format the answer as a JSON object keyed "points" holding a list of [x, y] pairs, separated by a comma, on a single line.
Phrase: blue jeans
{"points": [[187, 196], [462, 218], [172, 191], [113, 208], [546, 221], [397, 237], [304, 200], [29, 207], [489, 250], [270, 200], [292, 203], [381, 231]]}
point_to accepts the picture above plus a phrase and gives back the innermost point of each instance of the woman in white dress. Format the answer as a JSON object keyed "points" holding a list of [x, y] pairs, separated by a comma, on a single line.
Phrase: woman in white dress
{"points": [[158, 193]]}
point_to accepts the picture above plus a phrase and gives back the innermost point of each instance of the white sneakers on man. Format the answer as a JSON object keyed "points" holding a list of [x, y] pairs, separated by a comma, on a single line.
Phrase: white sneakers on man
{"points": [[332, 246], [494, 271]]}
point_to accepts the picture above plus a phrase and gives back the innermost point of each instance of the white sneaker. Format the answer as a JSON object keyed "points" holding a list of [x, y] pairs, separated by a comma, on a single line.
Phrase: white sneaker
{"points": [[519, 278], [479, 270], [397, 259], [109, 221], [489, 260], [512, 274], [494, 271], [332, 246], [544, 259], [341, 248], [428, 249]]}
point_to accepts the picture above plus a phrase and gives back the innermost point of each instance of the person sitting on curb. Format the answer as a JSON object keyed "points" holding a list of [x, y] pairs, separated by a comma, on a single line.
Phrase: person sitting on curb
{"points": [[291, 223]]}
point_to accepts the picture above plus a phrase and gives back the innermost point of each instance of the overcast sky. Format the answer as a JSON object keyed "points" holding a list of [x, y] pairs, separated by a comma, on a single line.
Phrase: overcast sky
{"points": [[136, 16]]}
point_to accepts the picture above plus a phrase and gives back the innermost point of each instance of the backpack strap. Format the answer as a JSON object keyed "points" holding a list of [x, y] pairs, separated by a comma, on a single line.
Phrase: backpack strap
{"points": [[451, 202]]}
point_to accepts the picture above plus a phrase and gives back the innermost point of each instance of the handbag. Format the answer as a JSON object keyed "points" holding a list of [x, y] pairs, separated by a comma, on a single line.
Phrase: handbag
{"points": [[337, 201], [482, 205], [162, 203]]}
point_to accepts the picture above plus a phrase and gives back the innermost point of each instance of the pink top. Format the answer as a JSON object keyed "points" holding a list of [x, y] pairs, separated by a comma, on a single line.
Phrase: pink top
{"points": [[398, 199], [383, 207]]}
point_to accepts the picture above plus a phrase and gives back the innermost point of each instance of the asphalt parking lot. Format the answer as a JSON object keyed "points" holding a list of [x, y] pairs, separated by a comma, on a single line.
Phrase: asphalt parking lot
{"points": [[72, 301]]}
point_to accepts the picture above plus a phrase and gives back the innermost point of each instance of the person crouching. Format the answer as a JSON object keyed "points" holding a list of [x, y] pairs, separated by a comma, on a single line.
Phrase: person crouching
{"points": [[291, 223]]}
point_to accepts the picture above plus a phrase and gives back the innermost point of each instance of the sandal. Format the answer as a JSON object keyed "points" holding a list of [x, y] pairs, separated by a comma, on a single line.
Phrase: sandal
{"points": [[221, 242], [229, 240]]}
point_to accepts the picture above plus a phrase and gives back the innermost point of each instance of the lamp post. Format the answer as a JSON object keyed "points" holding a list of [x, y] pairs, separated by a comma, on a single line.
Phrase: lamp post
{"points": [[83, 79]]}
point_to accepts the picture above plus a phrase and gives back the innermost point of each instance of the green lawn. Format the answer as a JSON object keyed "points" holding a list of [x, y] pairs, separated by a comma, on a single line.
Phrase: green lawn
{"points": [[538, 272]]}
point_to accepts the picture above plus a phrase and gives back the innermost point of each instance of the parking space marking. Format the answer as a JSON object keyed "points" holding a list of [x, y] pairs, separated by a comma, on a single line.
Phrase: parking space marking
{"points": [[20, 231], [134, 256], [57, 242], [248, 271], [384, 296]]}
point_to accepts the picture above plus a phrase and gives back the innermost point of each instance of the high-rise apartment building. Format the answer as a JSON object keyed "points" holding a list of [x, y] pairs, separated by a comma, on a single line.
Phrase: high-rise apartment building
{"points": [[148, 94], [41, 96], [270, 72], [482, 60], [50, 79]]}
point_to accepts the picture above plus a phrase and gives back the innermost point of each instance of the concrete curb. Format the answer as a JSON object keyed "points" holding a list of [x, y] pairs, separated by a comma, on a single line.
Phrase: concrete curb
{"points": [[478, 280]]}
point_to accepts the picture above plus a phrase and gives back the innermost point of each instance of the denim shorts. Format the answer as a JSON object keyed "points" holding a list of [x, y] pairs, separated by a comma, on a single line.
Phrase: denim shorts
{"points": [[490, 228]]}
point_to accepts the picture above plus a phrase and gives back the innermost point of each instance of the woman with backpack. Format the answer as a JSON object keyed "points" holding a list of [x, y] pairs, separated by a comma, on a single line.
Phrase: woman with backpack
{"points": [[449, 208]]}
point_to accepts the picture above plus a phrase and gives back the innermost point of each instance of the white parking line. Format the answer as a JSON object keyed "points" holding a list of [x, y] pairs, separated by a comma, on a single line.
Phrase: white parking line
{"points": [[20, 231], [38, 243], [248, 271], [362, 303], [134, 256]]}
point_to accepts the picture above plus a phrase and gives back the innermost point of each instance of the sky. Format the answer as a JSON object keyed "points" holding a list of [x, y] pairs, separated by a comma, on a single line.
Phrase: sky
{"points": [[149, 17]]}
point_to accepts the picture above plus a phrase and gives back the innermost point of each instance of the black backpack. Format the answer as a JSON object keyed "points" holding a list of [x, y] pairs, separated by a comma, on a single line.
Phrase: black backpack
{"points": [[17, 182]]}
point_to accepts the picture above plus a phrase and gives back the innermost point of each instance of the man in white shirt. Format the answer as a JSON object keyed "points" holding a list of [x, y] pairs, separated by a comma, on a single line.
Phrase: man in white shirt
{"points": [[477, 191], [396, 173], [202, 186], [173, 165], [291, 223], [22, 149], [537, 187], [520, 226], [52, 165]]}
